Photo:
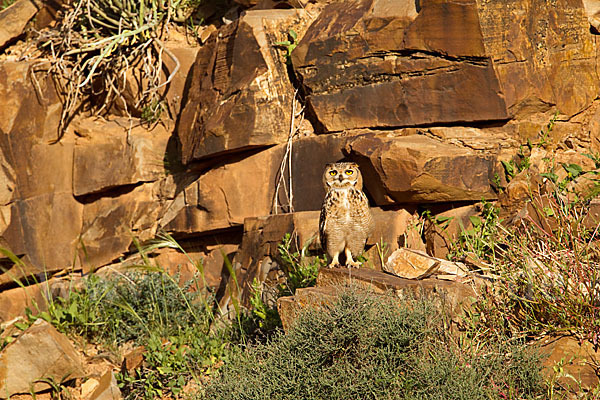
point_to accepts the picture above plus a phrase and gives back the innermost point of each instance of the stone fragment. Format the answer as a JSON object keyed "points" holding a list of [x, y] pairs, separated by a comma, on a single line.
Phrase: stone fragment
{"points": [[15, 301], [107, 389], [289, 306], [385, 63], [22, 367], [417, 169], [113, 153], [414, 264], [134, 359], [14, 18], [240, 95], [579, 361]]}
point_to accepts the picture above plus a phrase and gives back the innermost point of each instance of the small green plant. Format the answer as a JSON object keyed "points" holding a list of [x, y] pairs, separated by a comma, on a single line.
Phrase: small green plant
{"points": [[267, 317], [289, 45], [300, 267], [480, 239], [6, 3]]}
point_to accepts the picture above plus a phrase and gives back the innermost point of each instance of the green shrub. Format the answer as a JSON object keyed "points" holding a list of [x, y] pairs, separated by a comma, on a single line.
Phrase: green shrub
{"points": [[366, 346]]}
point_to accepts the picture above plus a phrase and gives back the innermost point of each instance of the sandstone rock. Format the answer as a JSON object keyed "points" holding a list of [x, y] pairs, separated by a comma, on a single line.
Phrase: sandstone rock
{"points": [[14, 18], [110, 224], [114, 153], [253, 186], [444, 62], [43, 219], [381, 63], [15, 301], [289, 306], [416, 169], [413, 264], [240, 95], [133, 360], [592, 10], [579, 362], [21, 366], [543, 54], [107, 389]]}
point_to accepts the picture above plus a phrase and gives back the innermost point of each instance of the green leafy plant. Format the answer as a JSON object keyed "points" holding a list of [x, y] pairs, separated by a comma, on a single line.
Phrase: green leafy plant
{"points": [[289, 45], [300, 267], [480, 239]]}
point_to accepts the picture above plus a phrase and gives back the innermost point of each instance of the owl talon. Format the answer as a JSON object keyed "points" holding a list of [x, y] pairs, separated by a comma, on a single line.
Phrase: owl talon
{"points": [[353, 264], [334, 265]]}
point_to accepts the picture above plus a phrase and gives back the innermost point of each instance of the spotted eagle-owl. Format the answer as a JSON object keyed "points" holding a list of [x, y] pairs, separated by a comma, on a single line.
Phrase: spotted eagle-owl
{"points": [[346, 220]]}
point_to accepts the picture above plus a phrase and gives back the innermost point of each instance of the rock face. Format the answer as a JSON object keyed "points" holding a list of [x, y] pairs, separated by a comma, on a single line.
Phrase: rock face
{"points": [[383, 63], [412, 169], [441, 62], [240, 96], [21, 364], [14, 19]]}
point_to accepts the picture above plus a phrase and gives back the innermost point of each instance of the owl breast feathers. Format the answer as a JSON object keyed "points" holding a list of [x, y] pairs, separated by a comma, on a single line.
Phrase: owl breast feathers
{"points": [[345, 221]]}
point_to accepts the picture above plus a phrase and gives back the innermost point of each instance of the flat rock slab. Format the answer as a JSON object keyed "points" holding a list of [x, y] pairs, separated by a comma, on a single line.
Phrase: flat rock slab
{"points": [[40, 352], [416, 169], [453, 295]]}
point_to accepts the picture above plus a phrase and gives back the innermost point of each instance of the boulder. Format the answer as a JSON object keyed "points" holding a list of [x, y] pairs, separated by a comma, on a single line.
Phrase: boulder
{"points": [[253, 185], [543, 54], [444, 228], [385, 63], [110, 223], [35, 297], [108, 154], [14, 18], [240, 96], [22, 368], [418, 169]]}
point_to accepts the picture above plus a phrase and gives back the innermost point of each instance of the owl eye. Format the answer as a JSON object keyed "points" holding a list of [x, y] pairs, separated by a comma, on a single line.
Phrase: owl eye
{"points": [[333, 173], [349, 172]]}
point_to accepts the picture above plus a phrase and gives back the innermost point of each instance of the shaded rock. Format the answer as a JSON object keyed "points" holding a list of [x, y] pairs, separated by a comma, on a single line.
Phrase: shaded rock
{"points": [[107, 389], [113, 153], [253, 185], [579, 362], [21, 366], [413, 264], [415, 169], [443, 229], [15, 301], [381, 63], [14, 18], [240, 95]]}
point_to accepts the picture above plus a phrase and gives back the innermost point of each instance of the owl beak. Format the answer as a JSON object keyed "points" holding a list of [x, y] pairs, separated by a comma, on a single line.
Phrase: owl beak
{"points": [[341, 177]]}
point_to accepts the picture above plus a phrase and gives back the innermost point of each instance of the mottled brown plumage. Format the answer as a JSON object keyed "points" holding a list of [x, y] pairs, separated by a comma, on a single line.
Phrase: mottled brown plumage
{"points": [[346, 220]]}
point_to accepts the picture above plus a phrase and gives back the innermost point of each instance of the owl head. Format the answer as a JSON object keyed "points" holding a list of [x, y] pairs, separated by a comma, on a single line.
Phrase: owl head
{"points": [[342, 175]]}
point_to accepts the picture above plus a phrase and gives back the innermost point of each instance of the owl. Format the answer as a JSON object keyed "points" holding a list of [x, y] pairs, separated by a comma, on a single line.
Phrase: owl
{"points": [[346, 219]]}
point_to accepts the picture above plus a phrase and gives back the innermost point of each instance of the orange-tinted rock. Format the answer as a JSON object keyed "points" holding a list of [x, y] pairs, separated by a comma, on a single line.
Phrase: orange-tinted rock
{"points": [[113, 153], [579, 362], [543, 54], [415, 169], [443, 229], [13, 20], [41, 352], [383, 63], [240, 95]]}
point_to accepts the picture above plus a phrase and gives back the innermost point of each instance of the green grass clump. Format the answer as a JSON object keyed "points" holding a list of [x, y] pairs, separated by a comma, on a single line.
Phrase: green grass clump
{"points": [[366, 346]]}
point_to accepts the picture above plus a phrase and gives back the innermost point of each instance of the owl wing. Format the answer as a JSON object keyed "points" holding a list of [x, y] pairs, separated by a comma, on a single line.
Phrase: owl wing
{"points": [[323, 225]]}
